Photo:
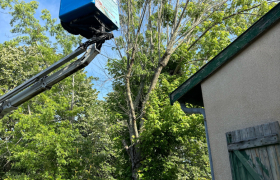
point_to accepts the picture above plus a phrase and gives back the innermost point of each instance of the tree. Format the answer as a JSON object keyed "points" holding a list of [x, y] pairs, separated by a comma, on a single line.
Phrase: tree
{"points": [[61, 133], [65, 133], [167, 41]]}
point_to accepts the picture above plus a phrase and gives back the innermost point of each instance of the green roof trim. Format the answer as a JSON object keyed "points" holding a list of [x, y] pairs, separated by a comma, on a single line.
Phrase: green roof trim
{"points": [[186, 92]]}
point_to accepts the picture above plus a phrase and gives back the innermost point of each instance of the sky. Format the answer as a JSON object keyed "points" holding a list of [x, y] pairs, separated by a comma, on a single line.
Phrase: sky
{"points": [[96, 68]]}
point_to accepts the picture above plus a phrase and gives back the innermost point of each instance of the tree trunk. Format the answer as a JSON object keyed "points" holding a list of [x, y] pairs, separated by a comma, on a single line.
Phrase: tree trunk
{"points": [[135, 158], [72, 118], [135, 161]]}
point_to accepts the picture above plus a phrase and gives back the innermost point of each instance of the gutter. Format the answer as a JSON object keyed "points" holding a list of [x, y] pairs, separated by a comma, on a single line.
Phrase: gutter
{"points": [[201, 111]]}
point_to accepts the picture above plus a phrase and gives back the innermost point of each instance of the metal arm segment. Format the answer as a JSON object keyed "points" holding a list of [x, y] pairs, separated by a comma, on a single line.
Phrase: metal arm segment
{"points": [[18, 96], [43, 73]]}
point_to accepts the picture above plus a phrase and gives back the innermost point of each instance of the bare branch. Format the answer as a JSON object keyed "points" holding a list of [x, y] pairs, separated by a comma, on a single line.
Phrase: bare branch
{"points": [[128, 35], [175, 16], [118, 48], [159, 27], [216, 23], [132, 115], [180, 19], [139, 28]]}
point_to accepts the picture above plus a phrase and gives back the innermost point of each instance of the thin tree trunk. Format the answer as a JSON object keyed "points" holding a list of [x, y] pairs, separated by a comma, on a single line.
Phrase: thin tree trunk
{"points": [[159, 28], [72, 118], [151, 30], [164, 60], [29, 112]]}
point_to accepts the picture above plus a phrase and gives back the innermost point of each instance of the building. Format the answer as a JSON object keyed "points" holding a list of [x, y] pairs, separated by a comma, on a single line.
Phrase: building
{"points": [[240, 92]]}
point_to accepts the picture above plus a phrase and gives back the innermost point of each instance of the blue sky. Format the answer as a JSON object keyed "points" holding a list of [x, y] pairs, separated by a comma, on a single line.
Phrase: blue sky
{"points": [[95, 69]]}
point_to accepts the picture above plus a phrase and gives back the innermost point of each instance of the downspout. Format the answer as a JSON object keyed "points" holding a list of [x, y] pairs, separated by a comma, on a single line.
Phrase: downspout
{"points": [[201, 111]]}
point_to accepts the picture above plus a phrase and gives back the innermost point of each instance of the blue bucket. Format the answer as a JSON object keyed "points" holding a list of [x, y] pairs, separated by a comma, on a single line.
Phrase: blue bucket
{"points": [[106, 11]]}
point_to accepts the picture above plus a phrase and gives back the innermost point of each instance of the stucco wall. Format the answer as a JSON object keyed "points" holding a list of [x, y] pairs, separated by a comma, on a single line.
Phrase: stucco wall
{"points": [[243, 93]]}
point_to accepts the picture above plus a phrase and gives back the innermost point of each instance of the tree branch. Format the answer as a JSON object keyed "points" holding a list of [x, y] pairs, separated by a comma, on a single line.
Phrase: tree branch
{"points": [[180, 19], [159, 27], [176, 14], [132, 115], [214, 24], [139, 94], [126, 148]]}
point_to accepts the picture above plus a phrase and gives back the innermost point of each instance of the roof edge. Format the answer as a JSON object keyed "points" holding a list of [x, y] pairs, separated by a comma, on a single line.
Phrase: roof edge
{"points": [[225, 55]]}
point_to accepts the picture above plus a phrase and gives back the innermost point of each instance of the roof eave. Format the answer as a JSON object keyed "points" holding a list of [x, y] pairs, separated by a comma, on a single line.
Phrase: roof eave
{"points": [[259, 27]]}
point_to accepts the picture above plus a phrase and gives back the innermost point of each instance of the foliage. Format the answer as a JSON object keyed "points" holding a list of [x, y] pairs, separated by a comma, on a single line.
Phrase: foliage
{"points": [[179, 144], [162, 44], [66, 133], [62, 133]]}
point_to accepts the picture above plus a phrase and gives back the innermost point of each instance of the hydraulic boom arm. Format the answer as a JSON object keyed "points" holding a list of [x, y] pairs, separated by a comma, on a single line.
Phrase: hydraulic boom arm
{"points": [[41, 82]]}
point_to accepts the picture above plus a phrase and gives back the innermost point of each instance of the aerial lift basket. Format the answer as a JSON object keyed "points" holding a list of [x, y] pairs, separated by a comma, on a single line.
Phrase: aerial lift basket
{"points": [[88, 17], [93, 19]]}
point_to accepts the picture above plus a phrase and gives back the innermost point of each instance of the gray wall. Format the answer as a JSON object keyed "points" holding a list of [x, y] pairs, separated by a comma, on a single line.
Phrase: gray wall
{"points": [[243, 93]]}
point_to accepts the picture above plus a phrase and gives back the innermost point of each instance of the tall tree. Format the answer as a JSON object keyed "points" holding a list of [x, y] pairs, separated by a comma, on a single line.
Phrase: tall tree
{"points": [[61, 133], [167, 40]]}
